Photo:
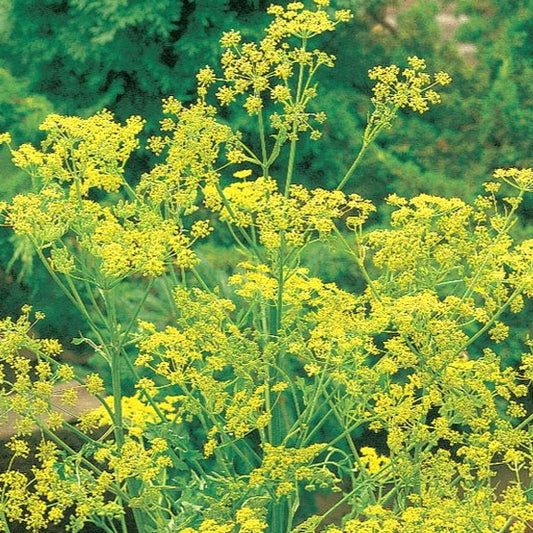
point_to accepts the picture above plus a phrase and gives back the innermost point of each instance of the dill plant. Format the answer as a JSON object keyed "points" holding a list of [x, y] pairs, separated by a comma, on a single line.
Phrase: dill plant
{"points": [[246, 406]]}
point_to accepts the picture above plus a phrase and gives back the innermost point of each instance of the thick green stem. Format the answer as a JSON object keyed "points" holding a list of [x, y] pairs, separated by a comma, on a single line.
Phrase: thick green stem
{"points": [[114, 352], [281, 284], [113, 349], [278, 516]]}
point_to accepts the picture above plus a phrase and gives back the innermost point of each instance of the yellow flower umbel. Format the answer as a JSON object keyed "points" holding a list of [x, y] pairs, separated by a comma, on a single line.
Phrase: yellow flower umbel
{"points": [[283, 468], [86, 153], [293, 219], [137, 415], [129, 237], [397, 88], [370, 459], [31, 398]]}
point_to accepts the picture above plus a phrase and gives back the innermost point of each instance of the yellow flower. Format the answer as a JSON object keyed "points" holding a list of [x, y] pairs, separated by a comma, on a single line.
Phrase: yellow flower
{"points": [[94, 383], [230, 38], [250, 521], [19, 447], [206, 76], [443, 78], [242, 173], [371, 460]]}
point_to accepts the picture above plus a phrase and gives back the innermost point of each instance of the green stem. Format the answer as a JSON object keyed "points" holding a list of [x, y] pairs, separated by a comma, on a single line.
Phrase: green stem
{"points": [[94, 303], [113, 349], [83, 309], [369, 135], [278, 516], [54, 276], [105, 527], [281, 283], [294, 133], [261, 124], [307, 414], [360, 264], [253, 158], [134, 315], [493, 319], [352, 168], [307, 438], [292, 159]]}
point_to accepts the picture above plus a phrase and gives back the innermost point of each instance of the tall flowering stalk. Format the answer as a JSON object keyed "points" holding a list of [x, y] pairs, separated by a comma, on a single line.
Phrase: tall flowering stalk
{"points": [[245, 405]]}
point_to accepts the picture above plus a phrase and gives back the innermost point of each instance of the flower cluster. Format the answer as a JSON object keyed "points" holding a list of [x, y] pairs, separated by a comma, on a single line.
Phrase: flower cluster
{"points": [[43, 217], [247, 520], [194, 355], [55, 488], [272, 71], [283, 468], [31, 400], [295, 20], [521, 179], [483, 511], [295, 219], [114, 242], [192, 150], [414, 89], [396, 89], [369, 458], [59, 490], [88, 153], [142, 242], [137, 414]]}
